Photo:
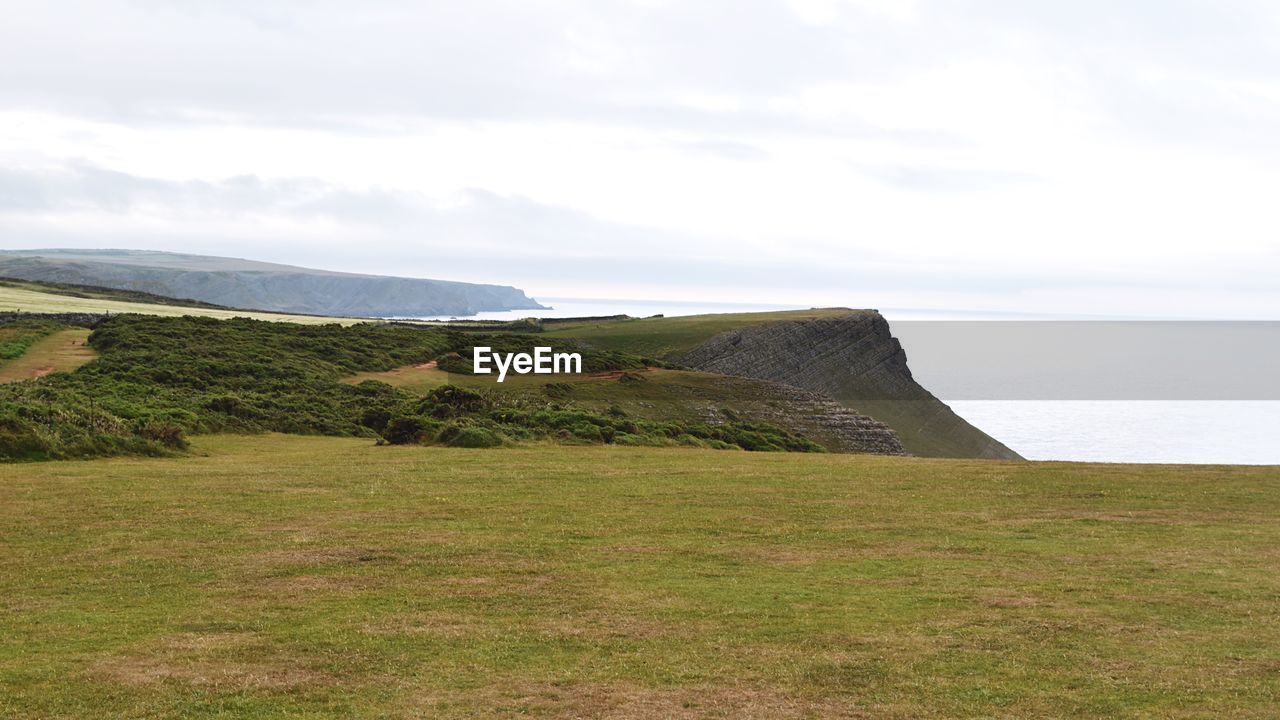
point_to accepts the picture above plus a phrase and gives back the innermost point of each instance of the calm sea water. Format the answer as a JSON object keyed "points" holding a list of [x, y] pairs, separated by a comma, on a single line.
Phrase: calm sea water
{"points": [[579, 307], [1235, 432], [1164, 431]]}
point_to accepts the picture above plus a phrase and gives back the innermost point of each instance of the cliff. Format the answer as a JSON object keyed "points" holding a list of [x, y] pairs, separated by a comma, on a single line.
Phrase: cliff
{"points": [[854, 359], [815, 416], [260, 286]]}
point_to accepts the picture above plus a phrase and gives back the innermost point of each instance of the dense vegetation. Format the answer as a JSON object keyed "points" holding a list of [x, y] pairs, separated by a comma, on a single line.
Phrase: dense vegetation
{"points": [[160, 379], [460, 417]]}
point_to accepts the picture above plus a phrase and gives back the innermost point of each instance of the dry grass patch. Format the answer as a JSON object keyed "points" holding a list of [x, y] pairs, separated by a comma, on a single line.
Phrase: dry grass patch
{"points": [[626, 701], [234, 661], [62, 351]]}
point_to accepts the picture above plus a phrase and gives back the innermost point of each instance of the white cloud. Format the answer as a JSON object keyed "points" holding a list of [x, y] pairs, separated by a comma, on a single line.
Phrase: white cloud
{"points": [[1009, 155]]}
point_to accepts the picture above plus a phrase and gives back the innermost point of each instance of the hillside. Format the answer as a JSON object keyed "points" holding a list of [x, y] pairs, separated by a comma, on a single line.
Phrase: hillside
{"points": [[849, 356], [664, 395], [833, 377], [20, 298], [155, 381], [259, 286], [94, 292], [273, 576]]}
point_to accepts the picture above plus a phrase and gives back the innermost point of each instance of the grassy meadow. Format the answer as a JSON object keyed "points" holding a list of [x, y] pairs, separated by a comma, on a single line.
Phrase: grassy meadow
{"points": [[663, 336], [31, 298], [279, 576]]}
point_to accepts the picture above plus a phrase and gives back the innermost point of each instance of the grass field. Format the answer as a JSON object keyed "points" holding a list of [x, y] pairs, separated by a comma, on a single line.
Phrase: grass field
{"points": [[276, 576], [659, 337], [33, 301], [61, 351]]}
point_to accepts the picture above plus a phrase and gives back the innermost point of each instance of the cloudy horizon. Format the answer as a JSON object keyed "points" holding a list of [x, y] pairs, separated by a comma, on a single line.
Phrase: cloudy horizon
{"points": [[1090, 158]]}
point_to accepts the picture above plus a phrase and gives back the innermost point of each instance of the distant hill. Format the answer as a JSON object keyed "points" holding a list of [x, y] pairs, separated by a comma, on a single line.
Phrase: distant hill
{"points": [[255, 285], [95, 292]]}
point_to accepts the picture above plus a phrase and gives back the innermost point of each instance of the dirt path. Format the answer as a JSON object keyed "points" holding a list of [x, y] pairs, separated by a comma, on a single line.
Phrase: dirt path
{"points": [[62, 351]]}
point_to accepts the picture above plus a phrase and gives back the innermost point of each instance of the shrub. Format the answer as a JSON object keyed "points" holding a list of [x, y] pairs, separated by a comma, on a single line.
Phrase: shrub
{"points": [[558, 390], [229, 405], [450, 400], [448, 432], [19, 442], [587, 431], [454, 363], [475, 437], [404, 431], [167, 434], [375, 419]]}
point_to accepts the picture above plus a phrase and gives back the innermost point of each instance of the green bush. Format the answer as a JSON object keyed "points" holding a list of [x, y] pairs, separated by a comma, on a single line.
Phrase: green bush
{"points": [[450, 400], [375, 419], [558, 390], [404, 431], [475, 437], [167, 434], [587, 431]]}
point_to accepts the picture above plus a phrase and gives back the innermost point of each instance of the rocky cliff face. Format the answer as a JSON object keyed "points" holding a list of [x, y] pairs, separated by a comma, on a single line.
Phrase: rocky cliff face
{"points": [[855, 360], [261, 286], [821, 419]]}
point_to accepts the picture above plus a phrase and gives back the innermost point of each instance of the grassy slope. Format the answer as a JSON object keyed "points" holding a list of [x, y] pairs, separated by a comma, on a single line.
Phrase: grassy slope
{"points": [[62, 351], [30, 300], [288, 577], [658, 394], [659, 337]]}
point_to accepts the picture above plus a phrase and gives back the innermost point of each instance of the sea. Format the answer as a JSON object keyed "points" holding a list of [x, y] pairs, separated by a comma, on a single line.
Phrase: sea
{"points": [[1239, 432]]}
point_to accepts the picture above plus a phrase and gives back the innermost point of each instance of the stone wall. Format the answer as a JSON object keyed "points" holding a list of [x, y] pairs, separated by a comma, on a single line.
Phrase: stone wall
{"points": [[77, 319]]}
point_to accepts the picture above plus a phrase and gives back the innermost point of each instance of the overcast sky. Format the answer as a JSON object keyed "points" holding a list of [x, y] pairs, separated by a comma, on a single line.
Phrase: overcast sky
{"points": [[1091, 156]]}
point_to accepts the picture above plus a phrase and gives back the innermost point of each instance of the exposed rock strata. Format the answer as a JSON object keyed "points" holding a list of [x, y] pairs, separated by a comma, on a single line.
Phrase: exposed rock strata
{"points": [[821, 419], [856, 360]]}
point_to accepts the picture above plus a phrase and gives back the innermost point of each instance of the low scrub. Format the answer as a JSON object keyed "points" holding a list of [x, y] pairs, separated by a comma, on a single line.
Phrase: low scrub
{"points": [[159, 380], [482, 420]]}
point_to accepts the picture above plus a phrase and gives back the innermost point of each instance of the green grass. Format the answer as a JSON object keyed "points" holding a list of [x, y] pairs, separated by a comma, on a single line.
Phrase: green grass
{"points": [[26, 298], [660, 337], [275, 576]]}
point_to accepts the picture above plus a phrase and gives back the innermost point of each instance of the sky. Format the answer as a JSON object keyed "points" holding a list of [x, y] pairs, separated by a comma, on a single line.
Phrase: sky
{"points": [[1084, 157]]}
